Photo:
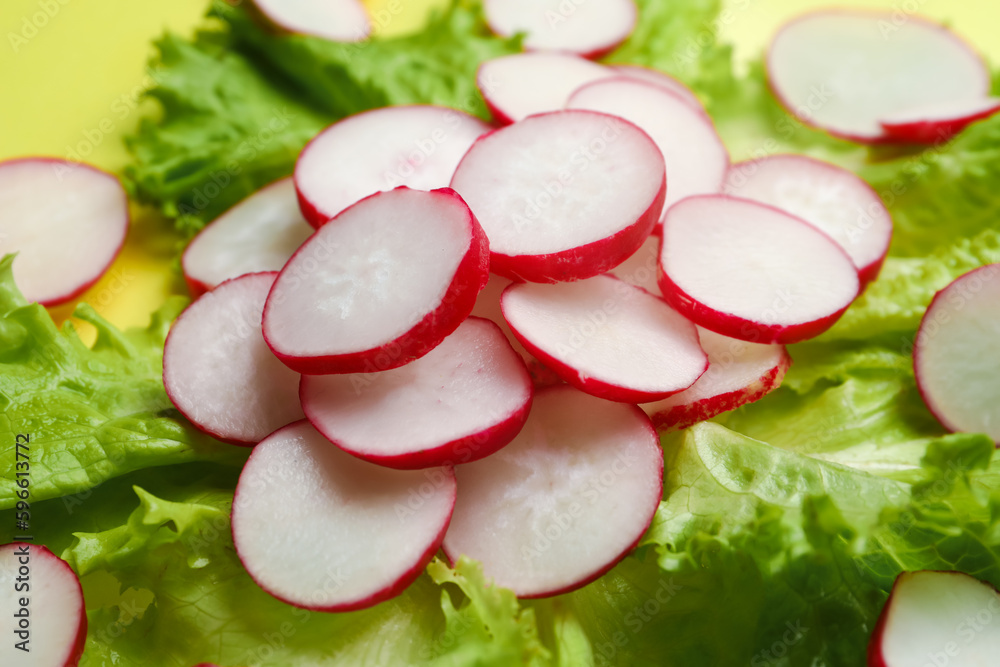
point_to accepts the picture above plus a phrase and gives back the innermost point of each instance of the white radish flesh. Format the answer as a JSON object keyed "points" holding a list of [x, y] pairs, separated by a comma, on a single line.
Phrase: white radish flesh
{"points": [[640, 268], [590, 29], [335, 20], [936, 123], [658, 78]]}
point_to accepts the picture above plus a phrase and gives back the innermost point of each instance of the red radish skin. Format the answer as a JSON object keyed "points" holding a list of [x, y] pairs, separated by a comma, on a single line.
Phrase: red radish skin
{"points": [[291, 503], [938, 125], [590, 29], [640, 269], [335, 20], [56, 213], [658, 78]]}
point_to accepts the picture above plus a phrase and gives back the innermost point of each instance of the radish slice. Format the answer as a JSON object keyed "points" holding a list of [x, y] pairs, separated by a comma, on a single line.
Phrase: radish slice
{"points": [[383, 286], [589, 28], [954, 354], [937, 618], [607, 338], [66, 222], [464, 400], [378, 150], [640, 268], [53, 625], [258, 234], [525, 84], [218, 371], [937, 122], [695, 157], [319, 529], [738, 373], [828, 197], [564, 502], [658, 78], [750, 271], [564, 195], [844, 71], [336, 20]]}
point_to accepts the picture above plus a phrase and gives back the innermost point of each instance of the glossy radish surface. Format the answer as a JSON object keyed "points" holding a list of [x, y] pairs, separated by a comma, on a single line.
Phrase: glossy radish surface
{"points": [[658, 78], [606, 337], [336, 20], [66, 222], [383, 286], [954, 353], [563, 196], [937, 122], [379, 150], [53, 624], [258, 234], [219, 372], [321, 529], [564, 502], [465, 399], [640, 268], [590, 29], [750, 271], [824, 195]]}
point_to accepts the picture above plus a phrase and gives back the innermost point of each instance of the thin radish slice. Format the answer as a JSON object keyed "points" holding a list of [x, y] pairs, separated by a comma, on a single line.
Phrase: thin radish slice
{"points": [[696, 159], [218, 371], [378, 150], [525, 84], [320, 529], [336, 20], [590, 29], [844, 71], [66, 222], [51, 628], [464, 400], [258, 234], [738, 373], [383, 286], [564, 195], [937, 122], [606, 337], [749, 271], [937, 618], [564, 502], [954, 354], [640, 268], [658, 78], [833, 199]]}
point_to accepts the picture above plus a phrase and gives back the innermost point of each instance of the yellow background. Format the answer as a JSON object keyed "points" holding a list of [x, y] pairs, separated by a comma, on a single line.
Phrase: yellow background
{"points": [[76, 76]]}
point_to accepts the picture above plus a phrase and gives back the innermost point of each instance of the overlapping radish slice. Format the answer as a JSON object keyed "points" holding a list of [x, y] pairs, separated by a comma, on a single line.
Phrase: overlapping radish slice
{"points": [[738, 373], [321, 529], [66, 222], [845, 71], [564, 195], [749, 271], [590, 29], [833, 199], [564, 502], [658, 78], [378, 150], [218, 371], [383, 286], [937, 122], [524, 84], [695, 157], [954, 354], [336, 20], [640, 268], [464, 400], [258, 234], [606, 337], [53, 624]]}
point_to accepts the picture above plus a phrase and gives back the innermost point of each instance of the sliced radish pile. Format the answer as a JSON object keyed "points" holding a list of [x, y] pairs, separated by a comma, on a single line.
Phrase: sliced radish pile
{"points": [[465, 399], [378, 150], [606, 337], [218, 371], [954, 353], [53, 625], [320, 529], [750, 271], [658, 78], [66, 222], [336, 20], [640, 268], [833, 199], [524, 84], [846, 71], [939, 121], [564, 195], [258, 234], [397, 273], [590, 28], [564, 502], [695, 157], [738, 373], [937, 618]]}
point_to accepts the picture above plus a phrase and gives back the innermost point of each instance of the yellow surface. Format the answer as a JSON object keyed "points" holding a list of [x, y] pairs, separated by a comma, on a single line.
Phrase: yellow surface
{"points": [[71, 70]]}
